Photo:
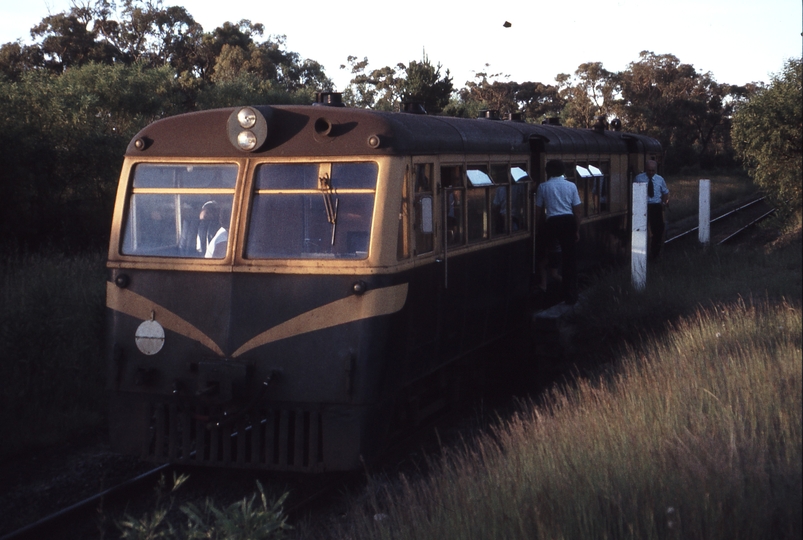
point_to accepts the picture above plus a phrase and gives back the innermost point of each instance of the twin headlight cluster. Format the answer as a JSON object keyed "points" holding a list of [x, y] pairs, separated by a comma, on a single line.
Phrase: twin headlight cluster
{"points": [[248, 128]]}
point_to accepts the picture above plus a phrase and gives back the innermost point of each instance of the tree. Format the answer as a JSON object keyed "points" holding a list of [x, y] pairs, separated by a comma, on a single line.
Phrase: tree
{"points": [[534, 100], [270, 60], [587, 95], [149, 33], [386, 88], [539, 101], [768, 137], [490, 94], [16, 59], [378, 89], [67, 40], [671, 101], [423, 84]]}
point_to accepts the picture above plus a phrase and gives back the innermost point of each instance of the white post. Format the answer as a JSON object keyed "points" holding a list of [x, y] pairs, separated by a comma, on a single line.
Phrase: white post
{"points": [[704, 227], [638, 239]]}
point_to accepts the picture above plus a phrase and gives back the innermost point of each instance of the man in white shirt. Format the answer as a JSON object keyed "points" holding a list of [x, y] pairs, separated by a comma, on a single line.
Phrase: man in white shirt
{"points": [[212, 236], [559, 211], [657, 198]]}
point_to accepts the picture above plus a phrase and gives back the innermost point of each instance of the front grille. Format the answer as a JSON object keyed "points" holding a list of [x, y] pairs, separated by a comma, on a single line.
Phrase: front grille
{"points": [[277, 439]]}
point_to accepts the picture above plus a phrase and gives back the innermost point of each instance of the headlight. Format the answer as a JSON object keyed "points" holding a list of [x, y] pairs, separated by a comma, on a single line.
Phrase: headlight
{"points": [[248, 127], [246, 140], [247, 117]]}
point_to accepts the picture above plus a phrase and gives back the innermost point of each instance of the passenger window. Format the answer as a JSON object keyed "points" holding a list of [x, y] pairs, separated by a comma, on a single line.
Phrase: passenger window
{"points": [[423, 225], [500, 205], [601, 190], [453, 201], [520, 182], [477, 202], [582, 181]]}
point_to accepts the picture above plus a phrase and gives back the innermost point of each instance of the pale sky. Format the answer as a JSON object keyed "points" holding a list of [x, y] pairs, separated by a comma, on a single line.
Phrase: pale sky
{"points": [[738, 41]]}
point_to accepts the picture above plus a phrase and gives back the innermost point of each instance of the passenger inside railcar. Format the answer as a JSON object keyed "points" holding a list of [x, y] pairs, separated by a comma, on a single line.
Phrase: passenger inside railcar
{"points": [[452, 182], [205, 236], [163, 217]]}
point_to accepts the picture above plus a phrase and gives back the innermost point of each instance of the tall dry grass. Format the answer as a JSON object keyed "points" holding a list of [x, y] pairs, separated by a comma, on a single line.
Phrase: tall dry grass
{"points": [[697, 435], [51, 343]]}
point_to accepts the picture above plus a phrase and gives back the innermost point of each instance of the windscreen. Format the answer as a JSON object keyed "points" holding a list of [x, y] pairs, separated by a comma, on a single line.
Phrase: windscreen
{"points": [[311, 210], [179, 210]]}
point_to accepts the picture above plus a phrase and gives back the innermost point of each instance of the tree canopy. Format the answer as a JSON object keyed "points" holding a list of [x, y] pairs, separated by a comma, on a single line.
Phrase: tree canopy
{"points": [[768, 137], [388, 87]]}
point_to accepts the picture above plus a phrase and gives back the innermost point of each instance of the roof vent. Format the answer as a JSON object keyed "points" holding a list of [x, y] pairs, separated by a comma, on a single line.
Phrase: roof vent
{"points": [[329, 99], [515, 117], [490, 114], [600, 125], [551, 121], [616, 124], [413, 107]]}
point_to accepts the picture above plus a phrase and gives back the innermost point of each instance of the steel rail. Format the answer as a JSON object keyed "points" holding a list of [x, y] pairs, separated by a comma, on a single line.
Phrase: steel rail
{"points": [[35, 529], [726, 214], [763, 216]]}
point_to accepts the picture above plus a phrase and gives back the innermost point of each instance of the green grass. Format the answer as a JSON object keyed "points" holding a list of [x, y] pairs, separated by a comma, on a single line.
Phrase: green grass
{"points": [[51, 338], [691, 430]]}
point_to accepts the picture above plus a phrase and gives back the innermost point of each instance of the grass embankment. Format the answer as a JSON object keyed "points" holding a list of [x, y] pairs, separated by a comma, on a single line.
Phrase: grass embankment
{"points": [[51, 338], [692, 431]]}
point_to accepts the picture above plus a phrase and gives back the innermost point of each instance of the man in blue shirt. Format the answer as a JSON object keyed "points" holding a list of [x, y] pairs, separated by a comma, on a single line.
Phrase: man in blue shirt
{"points": [[559, 211], [657, 198]]}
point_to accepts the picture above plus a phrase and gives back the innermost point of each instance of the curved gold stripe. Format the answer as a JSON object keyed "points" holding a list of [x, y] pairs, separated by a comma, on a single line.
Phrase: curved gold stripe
{"points": [[352, 308], [138, 306]]}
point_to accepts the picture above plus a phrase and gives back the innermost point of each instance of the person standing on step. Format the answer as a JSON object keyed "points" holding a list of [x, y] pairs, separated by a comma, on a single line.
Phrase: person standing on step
{"points": [[559, 211]]}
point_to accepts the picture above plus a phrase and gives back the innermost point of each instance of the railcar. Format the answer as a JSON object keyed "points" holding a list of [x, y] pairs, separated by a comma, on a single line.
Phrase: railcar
{"points": [[289, 284]]}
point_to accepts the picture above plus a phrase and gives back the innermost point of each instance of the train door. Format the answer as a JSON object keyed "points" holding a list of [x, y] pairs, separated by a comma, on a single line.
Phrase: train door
{"points": [[417, 235]]}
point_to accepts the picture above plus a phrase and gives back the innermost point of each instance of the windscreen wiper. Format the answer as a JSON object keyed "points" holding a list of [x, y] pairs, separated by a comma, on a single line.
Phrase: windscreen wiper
{"points": [[325, 185]]}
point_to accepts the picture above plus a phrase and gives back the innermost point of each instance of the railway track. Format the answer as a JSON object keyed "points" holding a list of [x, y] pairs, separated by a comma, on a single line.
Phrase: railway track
{"points": [[53, 525], [79, 520], [730, 224]]}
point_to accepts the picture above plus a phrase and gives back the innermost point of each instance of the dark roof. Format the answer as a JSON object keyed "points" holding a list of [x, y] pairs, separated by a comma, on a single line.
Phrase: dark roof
{"points": [[299, 130]]}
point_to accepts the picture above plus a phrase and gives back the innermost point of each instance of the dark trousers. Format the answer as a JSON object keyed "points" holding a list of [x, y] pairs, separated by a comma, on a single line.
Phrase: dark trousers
{"points": [[563, 229], [655, 218]]}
